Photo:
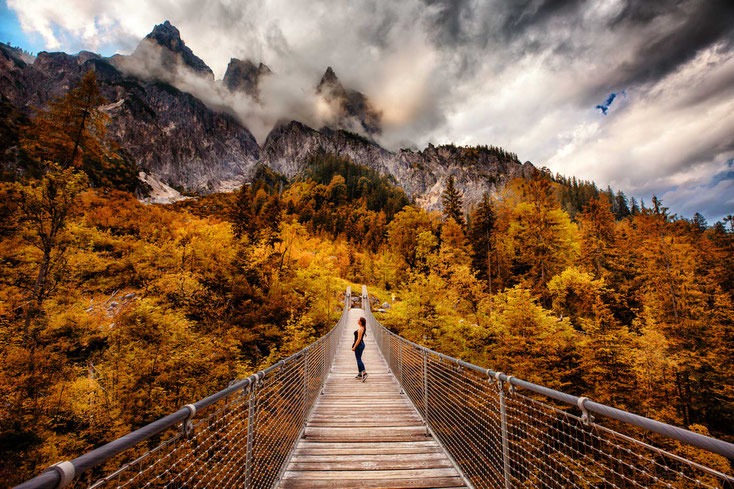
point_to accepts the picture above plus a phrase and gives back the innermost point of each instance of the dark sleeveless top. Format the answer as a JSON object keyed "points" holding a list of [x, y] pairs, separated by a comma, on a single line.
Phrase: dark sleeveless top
{"points": [[356, 334]]}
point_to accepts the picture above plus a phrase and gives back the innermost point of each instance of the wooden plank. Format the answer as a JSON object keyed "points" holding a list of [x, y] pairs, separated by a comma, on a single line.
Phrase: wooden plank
{"points": [[359, 444], [376, 423], [392, 464], [397, 433], [365, 448], [368, 458], [434, 482], [366, 417], [373, 474], [367, 451], [339, 417]]}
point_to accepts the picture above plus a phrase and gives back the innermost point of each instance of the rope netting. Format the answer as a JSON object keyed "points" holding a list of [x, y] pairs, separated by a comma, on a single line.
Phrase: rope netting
{"points": [[501, 436], [244, 440], [240, 437]]}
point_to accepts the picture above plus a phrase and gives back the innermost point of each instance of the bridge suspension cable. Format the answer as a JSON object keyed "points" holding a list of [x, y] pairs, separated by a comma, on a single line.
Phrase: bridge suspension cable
{"points": [[499, 431]]}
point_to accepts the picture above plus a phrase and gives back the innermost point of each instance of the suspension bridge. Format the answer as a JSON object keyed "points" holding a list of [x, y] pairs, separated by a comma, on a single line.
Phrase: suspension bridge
{"points": [[422, 419]]}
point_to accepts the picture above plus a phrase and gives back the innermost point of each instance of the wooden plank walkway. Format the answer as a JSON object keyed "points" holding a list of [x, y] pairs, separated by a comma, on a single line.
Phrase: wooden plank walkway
{"points": [[366, 435]]}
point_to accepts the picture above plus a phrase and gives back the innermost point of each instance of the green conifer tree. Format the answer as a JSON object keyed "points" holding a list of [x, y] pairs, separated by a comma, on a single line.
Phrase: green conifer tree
{"points": [[452, 204], [481, 237]]}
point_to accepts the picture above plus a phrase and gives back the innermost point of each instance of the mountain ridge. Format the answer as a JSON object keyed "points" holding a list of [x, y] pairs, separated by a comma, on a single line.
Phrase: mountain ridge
{"points": [[182, 143]]}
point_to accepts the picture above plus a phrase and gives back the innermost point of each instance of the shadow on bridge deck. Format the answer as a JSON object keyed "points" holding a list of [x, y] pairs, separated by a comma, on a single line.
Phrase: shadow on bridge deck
{"points": [[366, 434]]}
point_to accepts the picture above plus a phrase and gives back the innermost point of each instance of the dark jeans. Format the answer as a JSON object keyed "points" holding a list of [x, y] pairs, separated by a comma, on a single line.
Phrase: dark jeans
{"points": [[358, 353]]}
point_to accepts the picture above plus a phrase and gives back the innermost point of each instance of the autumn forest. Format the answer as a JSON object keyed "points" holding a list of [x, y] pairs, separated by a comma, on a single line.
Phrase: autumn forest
{"points": [[114, 313]]}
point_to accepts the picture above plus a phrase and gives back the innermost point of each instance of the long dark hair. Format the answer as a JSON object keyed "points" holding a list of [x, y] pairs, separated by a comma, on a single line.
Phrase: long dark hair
{"points": [[363, 322]]}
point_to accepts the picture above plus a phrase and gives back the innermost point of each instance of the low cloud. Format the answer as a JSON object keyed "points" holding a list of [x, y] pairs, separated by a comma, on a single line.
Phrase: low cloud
{"points": [[281, 96], [525, 74]]}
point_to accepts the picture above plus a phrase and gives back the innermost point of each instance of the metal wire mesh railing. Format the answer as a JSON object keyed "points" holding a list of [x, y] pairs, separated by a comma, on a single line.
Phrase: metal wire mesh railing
{"points": [[241, 436], [503, 432]]}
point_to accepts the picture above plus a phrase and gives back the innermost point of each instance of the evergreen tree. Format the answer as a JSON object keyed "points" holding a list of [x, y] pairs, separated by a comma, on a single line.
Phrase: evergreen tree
{"points": [[481, 237], [621, 208], [452, 205], [541, 235], [634, 209], [730, 219], [596, 225], [699, 222], [658, 208]]}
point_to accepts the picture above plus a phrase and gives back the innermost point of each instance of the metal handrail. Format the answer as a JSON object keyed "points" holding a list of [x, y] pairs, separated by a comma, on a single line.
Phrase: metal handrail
{"points": [[312, 379], [419, 369]]}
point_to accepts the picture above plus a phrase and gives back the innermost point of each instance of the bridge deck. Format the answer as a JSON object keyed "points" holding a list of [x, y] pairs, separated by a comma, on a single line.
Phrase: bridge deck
{"points": [[366, 435]]}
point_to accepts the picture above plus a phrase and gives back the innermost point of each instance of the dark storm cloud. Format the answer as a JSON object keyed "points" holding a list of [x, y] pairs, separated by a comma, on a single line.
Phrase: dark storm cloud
{"points": [[690, 26], [669, 32], [463, 22]]}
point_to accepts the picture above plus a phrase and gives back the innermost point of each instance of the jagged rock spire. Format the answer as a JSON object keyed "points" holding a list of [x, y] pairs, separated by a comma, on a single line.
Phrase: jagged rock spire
{"points": [[168, 36], [245, 76], [353, 110]]}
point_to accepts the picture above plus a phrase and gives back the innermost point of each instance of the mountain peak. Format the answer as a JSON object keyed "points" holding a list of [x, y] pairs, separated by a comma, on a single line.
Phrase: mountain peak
{"points": [[245, 76], [168, 36], [353, 111], [329, 79]]}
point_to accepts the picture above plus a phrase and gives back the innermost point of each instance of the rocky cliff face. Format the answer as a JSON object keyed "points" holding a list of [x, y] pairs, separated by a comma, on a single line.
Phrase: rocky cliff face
{"points": [[351, 109], [168, 133], [245, 76], [168, 50]]}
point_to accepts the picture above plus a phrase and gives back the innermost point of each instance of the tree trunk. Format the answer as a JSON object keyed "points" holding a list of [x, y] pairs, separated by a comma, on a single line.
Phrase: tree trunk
{"points": [[36, 300], [78, 139]]}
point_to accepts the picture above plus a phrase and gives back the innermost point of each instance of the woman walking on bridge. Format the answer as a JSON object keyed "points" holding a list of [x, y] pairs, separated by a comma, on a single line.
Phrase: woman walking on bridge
{"points": [[358, 348]]}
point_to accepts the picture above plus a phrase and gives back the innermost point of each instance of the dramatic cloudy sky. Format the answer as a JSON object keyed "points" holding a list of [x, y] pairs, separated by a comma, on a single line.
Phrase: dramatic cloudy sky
{"points": [[534, 76]]}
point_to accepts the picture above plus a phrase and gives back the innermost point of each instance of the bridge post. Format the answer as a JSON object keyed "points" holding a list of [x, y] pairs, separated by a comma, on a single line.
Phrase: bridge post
{"points": [[503, 423], [400, 365], [386, 347], [425, 389], [250, 433], [305, 383]]}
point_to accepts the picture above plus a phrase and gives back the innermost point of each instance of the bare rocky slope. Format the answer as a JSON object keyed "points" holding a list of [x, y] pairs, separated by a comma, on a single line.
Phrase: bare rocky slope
{"points": [[170, 134], [179, 142], [422, 174]]}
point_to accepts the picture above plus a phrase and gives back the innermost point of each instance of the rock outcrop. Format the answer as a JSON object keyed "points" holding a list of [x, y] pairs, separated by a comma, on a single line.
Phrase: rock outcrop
{"points": [[174, 50], [351, 109], [422, 174], [243, 75]]}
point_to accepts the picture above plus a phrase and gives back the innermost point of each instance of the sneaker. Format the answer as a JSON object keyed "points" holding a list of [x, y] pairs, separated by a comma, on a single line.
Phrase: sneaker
{"points": [[359, 376], [364, 377]]}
